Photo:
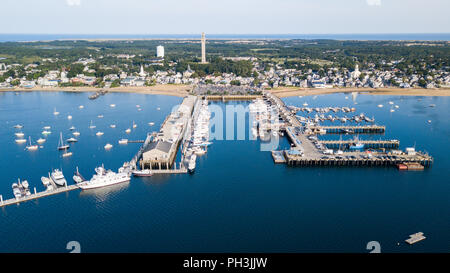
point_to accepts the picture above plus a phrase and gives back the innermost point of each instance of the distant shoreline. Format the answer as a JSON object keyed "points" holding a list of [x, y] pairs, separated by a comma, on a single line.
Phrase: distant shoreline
{"points": [[183, 90], [166, 89], [290, 92]]}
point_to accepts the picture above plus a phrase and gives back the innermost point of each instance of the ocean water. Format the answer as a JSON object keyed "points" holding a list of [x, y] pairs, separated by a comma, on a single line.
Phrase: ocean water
{"points": [[237, 200], [380, 36]]}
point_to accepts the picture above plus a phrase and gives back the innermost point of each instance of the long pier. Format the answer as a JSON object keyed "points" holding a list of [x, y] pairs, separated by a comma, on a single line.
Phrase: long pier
{"points": [[375, 144], [367, 129], [232, 97], [36, 195], [355, 159], [308, 152]]}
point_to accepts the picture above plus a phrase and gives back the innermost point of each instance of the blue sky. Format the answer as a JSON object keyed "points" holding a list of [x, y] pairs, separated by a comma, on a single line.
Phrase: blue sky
{"points": [[224, 17]]}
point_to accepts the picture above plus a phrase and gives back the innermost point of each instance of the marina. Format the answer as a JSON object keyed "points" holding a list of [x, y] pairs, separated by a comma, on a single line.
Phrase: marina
{"points": [[298, 147]]}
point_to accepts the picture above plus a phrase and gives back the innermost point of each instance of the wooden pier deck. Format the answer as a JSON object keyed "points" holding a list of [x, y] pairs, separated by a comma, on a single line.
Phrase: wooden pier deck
{"points": [[366, 129], [232, 97], [12, 201], [387, 144], [357, 159], [416, 237]]}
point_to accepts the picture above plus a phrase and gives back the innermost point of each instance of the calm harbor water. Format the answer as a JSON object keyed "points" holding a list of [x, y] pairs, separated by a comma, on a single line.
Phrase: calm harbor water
{"points": [[237, 200]]}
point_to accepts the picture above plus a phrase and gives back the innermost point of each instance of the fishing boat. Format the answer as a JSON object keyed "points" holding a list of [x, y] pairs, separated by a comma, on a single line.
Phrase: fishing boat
{"points": [[104, 178], [142, 173], [358, 145], [61, 145], [123, 141], [58, 177], [92, 126], [32, 147], [108, 146], [99, 133]]}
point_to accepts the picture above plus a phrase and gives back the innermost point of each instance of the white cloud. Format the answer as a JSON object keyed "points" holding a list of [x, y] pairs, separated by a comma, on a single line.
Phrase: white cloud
{"points": [[373, 2], [73, 2]]}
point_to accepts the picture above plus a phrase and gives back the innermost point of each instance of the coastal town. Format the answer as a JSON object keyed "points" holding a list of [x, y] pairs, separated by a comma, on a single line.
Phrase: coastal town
{"points": [[136, 70]]}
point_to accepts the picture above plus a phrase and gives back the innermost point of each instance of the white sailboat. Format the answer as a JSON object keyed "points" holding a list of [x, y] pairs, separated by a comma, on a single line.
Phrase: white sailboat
{"points": [[61, 145], [92, 126], [32, 147]]}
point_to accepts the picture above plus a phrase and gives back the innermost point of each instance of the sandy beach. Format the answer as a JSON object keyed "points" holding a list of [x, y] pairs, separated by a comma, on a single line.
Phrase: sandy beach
{"points": [[179, 90], [162, 89], [289, 92]]}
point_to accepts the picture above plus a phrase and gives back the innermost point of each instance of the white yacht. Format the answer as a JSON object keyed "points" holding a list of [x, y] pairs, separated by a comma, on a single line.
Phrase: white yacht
{"points": [[92, 126], [72, 139], [47, 127], [20, 135], [104, 178], [76, 133], [128, 131], [123, 141], [45, 132], [69, 117], [191, 164], [112, 126], [55, 112], [18, 126], [99, 134], [58, 177], [108, 146], [21, 141], [41, 140]]}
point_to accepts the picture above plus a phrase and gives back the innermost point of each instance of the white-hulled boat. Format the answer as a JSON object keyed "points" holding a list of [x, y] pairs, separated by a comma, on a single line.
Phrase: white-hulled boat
{"points": [[108, 146], [47, 127], [69, 117], [19, 135], [112, 126], [72, 128], [21, 141], [151, 123], [123, 141], [104, 178], [112, 105], [72, 140], [45, 132], [128, 131], [41, 140], [61, 145], [134, 125], [32, 147], [58, 177], [76, 133], [99, 133], [18, 126], [92, 126], [81, 107], [55, 112]]}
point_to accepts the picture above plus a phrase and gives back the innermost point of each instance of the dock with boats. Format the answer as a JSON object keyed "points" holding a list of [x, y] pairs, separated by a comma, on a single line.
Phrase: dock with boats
{"points": [[307, 150], [36, 195]]}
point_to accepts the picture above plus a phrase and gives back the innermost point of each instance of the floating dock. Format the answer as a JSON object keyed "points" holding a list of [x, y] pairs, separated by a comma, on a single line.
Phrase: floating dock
{"points": [[232, 97], [278, 157], [367, 129], [375, 144], [416, 237], [36, 195]]}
